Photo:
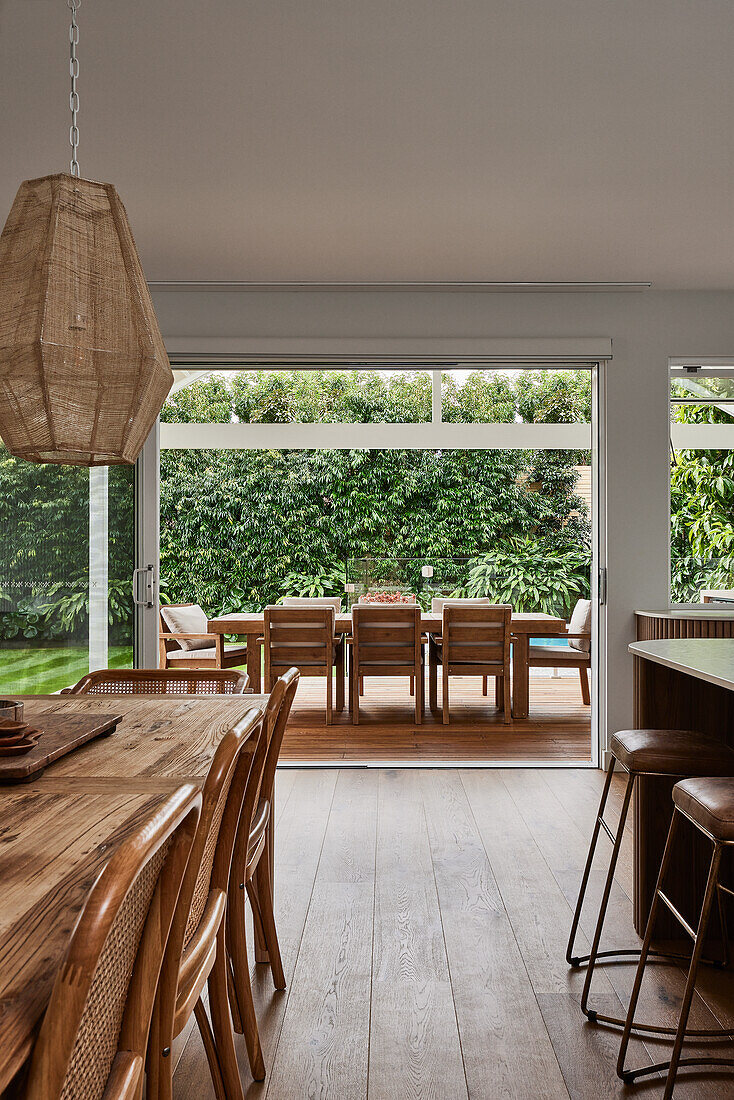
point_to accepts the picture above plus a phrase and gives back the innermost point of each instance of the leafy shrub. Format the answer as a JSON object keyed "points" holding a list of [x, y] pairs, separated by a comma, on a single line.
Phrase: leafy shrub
{"points": [[533, 577]]}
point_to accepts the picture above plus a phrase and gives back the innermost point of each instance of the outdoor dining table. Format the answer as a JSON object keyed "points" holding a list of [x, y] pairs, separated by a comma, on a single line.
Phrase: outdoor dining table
{"points": [[525, 625], [58, 830]]}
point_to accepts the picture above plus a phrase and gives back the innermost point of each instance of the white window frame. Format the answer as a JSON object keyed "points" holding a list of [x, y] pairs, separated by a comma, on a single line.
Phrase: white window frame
{"points": [[391, 353], [698, 437]]}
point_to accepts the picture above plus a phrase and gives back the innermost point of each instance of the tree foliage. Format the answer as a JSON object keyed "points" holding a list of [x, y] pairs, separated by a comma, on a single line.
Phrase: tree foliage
{"points": [[702, 511]]}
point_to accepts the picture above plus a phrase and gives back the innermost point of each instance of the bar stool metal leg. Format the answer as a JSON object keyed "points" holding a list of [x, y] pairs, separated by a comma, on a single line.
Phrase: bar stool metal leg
{"points": [[713, 890], [571, 959], [595, 953]]}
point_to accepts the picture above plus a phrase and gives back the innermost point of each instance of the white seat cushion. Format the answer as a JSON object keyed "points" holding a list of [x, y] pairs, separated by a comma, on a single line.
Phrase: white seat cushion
{"points": [[208, 654], [581, 624], [557, 652], [186, 620]]}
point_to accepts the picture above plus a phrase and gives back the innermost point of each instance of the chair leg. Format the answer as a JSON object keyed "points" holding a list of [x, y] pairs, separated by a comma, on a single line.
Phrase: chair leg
{"points": [[361, 685], [267, 917], [432, 679], [210, 1049], [221, 1023], [585, 693], [571, 959], [355, 696], [445, 691], [412, 685], [485, 687], [340, 679], [590, 1013], [685, 1008], [498, 692], [237, 943], [329, 697], [627, 1075], [419, 697], [506, 698]]}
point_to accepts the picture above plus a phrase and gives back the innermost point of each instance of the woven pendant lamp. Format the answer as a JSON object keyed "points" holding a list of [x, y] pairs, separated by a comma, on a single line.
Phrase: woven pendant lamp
{"points": [[83, 369]]}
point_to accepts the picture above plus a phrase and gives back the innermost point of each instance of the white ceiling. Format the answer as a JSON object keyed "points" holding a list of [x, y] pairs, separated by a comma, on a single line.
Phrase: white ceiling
{"points": [[368, 140]]}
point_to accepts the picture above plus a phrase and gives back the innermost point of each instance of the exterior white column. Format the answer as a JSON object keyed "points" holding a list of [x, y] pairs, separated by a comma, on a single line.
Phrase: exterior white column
{"points": [[98, 568]]}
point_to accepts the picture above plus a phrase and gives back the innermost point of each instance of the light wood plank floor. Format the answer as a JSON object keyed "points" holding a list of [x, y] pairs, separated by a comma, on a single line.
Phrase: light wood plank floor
{"points": [[423, 917], [558, 728]]}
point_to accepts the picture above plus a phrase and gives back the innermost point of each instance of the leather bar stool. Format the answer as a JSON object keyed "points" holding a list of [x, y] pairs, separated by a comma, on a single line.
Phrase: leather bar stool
{"points": [[708, 804], [674, 753]]}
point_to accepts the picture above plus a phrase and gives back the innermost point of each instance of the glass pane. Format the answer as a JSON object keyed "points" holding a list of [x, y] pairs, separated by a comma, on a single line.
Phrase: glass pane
{"points": [[702, 525], [66, 560], [506, 396], [300, 397], [696, 400]]}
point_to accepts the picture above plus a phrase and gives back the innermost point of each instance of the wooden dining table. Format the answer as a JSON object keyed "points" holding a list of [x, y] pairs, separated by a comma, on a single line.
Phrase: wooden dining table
{"points": [[59, 829], [525, 625]]}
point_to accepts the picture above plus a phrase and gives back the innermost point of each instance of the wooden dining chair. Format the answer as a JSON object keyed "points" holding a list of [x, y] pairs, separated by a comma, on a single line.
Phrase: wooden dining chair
{"points": [[305, 638], [93, 1038], [386, 642], [183, 641], [251, 872], [475, 641], [577, 654], [196, 953], [161, 681]]}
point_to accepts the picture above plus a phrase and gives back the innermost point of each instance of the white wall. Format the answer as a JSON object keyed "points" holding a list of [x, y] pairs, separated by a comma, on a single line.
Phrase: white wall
{"points": [[645, 328]]}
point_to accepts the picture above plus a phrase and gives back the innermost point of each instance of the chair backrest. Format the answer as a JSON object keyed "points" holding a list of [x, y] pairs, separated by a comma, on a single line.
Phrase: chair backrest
{"points": [[313, 601], [262, 772], [477, 635], [162, 681], [183, 618], [276, 719], [299, 636], [580, 626], [386, 635], [93, 1037], [438, 604], [211, 855]]}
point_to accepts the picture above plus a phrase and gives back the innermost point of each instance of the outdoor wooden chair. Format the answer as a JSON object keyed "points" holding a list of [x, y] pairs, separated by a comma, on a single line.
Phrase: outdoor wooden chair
{"points": [[184, 643], [386, 641], [161, 681], [576, 655], [437, 606], [251, 871], [475, 641], [196, 952], [93, 1038], [304, 638]]}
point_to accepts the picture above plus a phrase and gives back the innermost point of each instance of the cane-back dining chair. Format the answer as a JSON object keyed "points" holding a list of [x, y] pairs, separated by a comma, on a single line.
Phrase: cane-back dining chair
{"points": [[196, 953], [305, 638], [161, 681], [93, 1038], [251, 871], [475, 641]]}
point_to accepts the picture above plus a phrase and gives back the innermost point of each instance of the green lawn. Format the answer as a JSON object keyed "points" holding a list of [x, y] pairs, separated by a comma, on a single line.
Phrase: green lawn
{"points": [[50, 668]]}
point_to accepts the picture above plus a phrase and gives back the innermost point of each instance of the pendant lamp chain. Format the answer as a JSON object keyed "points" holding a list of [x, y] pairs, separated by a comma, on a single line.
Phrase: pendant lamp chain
{"points": [[74, 95]]}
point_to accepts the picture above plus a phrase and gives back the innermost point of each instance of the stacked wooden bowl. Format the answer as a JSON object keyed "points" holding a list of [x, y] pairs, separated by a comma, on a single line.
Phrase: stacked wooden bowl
{"points": [[16, 736]]}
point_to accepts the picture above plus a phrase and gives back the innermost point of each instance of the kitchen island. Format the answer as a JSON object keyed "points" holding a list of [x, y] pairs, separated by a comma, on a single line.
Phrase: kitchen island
{"points": [[680, 683]]}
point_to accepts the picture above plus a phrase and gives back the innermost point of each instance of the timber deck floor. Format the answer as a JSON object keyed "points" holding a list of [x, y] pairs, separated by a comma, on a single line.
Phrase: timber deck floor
{"points": [[423, 917], [558, 728]]}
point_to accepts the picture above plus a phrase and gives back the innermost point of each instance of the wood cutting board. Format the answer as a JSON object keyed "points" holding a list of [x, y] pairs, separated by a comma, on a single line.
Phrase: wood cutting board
{"points": [[60, 734]]}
